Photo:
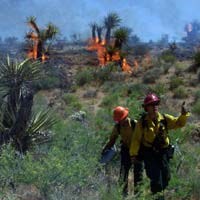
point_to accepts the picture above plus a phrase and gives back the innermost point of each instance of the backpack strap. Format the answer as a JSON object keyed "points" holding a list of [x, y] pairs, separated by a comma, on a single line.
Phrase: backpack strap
{"points": [[133, 123]]}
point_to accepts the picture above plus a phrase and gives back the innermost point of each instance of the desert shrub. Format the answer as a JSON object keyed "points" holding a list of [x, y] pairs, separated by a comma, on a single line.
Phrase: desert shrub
{"points": [[69, 98], [168, 57], [104, 74], [152, 75], [84, 77], [159, 89], [48, 82], [196, 107], [110, 100], [135, 89], [180, 92], [175, 82], [197, 95]]}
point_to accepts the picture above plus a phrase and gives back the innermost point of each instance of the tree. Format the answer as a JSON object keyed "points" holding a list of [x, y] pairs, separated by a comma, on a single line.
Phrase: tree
{"points": [[16, 93], [40, 37], [121, 36], [94, 28], [99, 33], [110, 22]]}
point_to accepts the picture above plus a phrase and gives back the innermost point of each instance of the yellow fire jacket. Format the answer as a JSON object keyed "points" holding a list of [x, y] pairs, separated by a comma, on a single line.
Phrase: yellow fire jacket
{"points": [[126, 133], [146, 135]]}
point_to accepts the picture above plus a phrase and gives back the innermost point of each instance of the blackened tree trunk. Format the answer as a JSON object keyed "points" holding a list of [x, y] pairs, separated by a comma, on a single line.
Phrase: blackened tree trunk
{"points": [[18, 130], [108, 33]]}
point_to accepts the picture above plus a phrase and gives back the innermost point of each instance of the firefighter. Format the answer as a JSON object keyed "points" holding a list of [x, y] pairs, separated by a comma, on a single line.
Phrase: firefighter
{"points": [[151, 138], [124, 127]]}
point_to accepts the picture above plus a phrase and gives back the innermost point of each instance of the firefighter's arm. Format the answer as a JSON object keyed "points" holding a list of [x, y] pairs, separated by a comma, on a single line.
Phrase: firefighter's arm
{"points": [[176, 122], [112, 140], [136, 140]]}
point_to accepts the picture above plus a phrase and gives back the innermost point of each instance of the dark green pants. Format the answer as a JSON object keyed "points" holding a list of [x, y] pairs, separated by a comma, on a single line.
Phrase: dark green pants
{"points": [[157, 169], [125, 168]]}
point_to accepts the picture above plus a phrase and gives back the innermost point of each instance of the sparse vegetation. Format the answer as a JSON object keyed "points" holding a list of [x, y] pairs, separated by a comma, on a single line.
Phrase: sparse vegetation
{"points": [[180, 92], [84, 77], [175, 82]]}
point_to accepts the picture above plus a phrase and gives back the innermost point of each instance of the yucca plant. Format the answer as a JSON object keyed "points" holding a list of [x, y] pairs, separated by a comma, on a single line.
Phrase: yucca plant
{"points": [[121, 36], [110, 22], [42, 36], [93, 27], [16, 93]]}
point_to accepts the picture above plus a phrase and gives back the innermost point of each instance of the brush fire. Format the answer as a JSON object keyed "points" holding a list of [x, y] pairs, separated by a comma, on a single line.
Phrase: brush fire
{"points": [[104, 56]]}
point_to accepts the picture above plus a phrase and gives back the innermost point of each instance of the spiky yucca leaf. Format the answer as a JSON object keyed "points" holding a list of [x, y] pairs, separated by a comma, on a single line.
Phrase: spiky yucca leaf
{"points": [[112, 20], [40, 122]]}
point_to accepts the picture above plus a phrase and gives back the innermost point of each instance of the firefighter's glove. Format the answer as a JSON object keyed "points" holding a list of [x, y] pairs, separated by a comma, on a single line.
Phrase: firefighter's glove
{"points": [[184, 110]]}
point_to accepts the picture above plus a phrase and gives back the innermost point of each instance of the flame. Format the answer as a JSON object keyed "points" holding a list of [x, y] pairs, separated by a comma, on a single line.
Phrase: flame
{"points": [[125, 66], [44, 57], [103, 55]]}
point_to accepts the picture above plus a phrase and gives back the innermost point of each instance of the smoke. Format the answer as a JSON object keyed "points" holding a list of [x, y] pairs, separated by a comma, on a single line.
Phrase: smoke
{"points": [[148, 19]]}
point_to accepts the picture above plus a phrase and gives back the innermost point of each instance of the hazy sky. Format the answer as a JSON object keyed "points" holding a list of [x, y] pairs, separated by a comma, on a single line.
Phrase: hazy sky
{"points": [[148, 18]]}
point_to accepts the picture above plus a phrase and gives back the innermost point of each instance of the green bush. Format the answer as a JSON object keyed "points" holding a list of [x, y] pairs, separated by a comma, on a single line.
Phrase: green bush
{"points": [[197, 95], [69, 98], [159, 89], [110, 100], [168, 57], [151, 76], [104, 74], [84, 77], [48, 82], [180, 92], [196, 108], [175, 82]]}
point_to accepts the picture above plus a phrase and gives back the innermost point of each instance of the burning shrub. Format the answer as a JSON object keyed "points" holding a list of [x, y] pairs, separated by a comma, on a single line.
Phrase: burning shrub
{"points": [[176, 82]]}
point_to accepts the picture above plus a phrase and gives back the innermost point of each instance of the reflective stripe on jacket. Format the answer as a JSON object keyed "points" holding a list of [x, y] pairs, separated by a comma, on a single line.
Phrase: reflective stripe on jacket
{"points": [[146, 135]]}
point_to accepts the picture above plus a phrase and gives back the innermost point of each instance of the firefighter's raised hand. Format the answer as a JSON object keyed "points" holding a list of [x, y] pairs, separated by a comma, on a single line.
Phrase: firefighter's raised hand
{"points": [[184, 110]]}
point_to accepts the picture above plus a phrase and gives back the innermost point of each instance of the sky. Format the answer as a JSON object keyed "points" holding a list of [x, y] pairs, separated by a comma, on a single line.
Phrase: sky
{"points": [[149, 19]]}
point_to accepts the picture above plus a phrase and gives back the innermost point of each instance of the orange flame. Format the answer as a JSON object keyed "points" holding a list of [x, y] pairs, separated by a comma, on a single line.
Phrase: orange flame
{"points": [[125, 66], [103, 55]]}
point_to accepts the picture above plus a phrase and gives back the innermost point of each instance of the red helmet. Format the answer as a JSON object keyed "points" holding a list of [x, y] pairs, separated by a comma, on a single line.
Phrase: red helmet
{"points": [[151, 98], [120, 113]]}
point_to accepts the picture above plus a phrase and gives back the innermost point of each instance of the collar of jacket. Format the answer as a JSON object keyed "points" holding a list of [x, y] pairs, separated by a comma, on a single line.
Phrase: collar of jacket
{"points": [[159, 117]]}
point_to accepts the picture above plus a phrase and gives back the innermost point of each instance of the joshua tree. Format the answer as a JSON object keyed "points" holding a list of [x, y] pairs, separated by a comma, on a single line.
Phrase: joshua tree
{"points": [[16, 92], [99, 32], [93, 27], [121, 36], [40, 37], [111, 21]]}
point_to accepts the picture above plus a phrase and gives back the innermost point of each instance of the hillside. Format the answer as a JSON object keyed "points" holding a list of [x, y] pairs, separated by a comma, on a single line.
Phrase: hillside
{"points": [[67, 167]]}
